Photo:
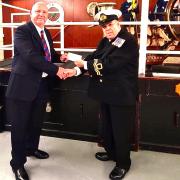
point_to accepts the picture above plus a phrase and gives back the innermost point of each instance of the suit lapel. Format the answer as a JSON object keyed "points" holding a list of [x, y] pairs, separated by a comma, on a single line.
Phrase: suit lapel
{"points": [[35, 33]]}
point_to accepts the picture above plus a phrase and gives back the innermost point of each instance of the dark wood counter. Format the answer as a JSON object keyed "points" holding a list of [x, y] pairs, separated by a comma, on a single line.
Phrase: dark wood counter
{"points": [[72, 114], [160, 114]]}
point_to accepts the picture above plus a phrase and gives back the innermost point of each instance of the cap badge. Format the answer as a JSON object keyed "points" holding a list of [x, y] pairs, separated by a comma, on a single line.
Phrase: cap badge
{"points": [[103, 17]]}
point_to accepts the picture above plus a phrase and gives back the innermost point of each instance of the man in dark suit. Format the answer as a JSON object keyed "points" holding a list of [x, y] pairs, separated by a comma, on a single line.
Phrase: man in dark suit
{"points": [[27, 91], [113, 70]]}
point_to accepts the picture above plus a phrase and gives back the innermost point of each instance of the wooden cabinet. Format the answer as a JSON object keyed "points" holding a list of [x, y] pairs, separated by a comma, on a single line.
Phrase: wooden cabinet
{"points": [[4, 76], [160, 115], [1, 110], [73, 114], [76, 116]]}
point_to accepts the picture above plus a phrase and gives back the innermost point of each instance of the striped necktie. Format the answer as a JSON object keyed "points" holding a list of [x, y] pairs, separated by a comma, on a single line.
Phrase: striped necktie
{"points": [[46, 50]]}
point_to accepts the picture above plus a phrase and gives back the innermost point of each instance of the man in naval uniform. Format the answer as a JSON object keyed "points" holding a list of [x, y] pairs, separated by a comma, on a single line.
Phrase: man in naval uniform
{"points": [[113, 69]]}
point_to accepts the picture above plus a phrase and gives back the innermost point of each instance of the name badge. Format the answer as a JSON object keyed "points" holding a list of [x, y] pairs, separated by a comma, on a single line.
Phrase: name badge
{"points": [[118, 42]]}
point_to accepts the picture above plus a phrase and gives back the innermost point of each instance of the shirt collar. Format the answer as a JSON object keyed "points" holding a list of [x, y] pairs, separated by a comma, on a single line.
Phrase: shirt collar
{"points": [[38, 29]]}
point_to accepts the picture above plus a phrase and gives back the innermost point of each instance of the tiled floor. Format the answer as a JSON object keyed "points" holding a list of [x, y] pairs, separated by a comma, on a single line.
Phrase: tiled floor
{"points": [[74, 160]]}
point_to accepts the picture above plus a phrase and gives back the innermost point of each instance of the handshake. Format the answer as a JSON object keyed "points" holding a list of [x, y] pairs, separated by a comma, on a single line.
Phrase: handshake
{"points": [[65, 73]]}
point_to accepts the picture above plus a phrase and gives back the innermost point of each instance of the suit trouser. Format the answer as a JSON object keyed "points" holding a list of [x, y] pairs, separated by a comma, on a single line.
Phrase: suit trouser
{"points": [[26, 118], [117, 123]]}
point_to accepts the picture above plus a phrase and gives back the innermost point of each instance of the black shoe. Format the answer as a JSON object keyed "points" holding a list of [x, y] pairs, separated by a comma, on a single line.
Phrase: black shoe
{"points": [[118, 173], [21, 174], [102, 156], [39, 154]]}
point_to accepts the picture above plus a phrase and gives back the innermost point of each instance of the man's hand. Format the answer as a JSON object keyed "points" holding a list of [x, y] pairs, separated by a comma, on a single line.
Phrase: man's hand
{"points": [[69, 73], [63, 57], [60, 73], [66, 73], [79, 63]]}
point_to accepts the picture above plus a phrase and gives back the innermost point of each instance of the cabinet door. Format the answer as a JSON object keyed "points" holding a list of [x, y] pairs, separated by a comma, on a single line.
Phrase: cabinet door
{"points": [[4, 77], [73, 114], [160, 123], [3, 121], [1, 107], [74, 111]]}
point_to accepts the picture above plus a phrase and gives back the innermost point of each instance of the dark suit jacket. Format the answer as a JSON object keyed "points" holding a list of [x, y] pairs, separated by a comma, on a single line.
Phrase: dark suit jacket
{"points": [[29, 63], [113, 68]]}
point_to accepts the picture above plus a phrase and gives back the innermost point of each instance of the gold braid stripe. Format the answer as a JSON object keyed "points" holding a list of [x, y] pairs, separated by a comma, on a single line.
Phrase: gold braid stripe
{"points": [[97, 67]]}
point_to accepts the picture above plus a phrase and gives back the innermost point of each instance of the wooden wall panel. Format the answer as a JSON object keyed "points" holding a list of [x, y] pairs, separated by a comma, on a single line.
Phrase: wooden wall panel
{"points": [[75, 10], [7, 19]]}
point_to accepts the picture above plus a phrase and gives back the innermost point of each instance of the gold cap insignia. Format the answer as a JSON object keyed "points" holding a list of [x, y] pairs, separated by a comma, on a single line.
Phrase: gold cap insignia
{"points": [[103, 17], [177, 90]]}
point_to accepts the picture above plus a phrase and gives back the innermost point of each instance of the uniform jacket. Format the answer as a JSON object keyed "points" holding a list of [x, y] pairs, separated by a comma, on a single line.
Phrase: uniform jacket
{"points": [[29, 63], [113, 69]]}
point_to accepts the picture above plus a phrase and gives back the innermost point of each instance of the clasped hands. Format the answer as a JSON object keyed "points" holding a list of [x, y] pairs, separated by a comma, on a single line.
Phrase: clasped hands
{"points": [[66, 73]]}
